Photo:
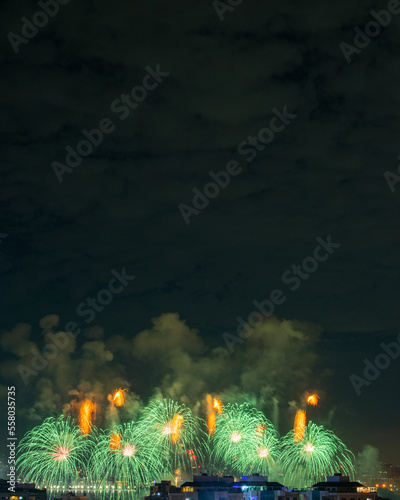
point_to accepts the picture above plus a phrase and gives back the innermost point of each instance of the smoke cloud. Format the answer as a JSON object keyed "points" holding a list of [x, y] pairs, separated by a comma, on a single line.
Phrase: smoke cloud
{"points": [[272, 369], [367, 463]]}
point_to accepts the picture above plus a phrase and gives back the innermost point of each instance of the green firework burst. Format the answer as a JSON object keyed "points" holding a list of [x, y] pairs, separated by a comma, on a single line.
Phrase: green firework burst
{"points": [[320, 453], [264, 454], [171, 428], [244, 440], [121, 456], [51, 454]]}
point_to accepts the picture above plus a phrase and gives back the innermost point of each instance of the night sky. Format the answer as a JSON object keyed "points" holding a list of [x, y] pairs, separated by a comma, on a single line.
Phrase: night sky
{"points": [[218, 76]]}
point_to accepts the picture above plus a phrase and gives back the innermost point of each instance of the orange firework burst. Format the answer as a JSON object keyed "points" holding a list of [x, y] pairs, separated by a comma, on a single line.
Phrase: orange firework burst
{"points": [[118, 398], [210, 414], [299, 425], [173, 428], [313, 399], [211, 423], [176, 424], [86, 414], [210, 406], [115, 441], [214, 405]]}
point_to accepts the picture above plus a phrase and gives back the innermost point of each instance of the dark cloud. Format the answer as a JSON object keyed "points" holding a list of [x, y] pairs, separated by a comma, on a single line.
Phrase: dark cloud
{"points": [[322, 175]]}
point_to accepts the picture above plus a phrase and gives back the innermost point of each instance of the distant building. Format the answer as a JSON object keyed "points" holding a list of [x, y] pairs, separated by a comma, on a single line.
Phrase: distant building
{"points": [[207, 487], [161, 491], [23, 491], [258, 487], [340, 487], [71, 496]]}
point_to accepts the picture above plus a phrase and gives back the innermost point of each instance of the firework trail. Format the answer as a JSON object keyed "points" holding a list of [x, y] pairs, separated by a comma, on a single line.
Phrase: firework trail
{"points": [[318, 454], [122, 456], [299, 425], [244, 440], [51, 454], [87, 413], [170, 427]]}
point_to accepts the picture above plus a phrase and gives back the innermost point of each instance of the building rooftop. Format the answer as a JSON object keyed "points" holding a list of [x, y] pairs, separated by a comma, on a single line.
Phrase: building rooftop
{"points": [[230, 484], [207, 484], [252, 482], [337, 484]]}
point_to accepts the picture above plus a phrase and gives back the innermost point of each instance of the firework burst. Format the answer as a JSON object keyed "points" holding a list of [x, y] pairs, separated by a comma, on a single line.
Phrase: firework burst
{"points": [[51, 454], [172, 428], [263, 456], [118, 398], [299, 425], [122, 456], [87, 413], [312, 399], [244, 440], [214, 406], [318, 454]]}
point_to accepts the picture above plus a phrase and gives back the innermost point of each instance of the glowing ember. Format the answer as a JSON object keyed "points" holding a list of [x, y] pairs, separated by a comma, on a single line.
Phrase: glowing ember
{"points": [[129, 450], [61, 453], [299, 425], [86, 414], [263, 452], [236, 437], [313, 399]]}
